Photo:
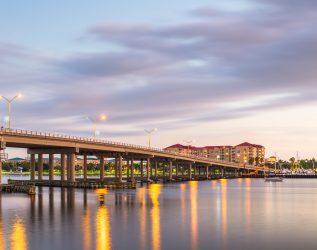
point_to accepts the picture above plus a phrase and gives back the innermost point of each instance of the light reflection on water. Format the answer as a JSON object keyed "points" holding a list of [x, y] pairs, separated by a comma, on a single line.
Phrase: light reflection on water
{"points": [[223, 214]]}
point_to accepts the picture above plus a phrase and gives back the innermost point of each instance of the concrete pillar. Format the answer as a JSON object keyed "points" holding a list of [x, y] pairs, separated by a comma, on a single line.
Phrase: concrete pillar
{"points": [[0, 171], [148, 162], [68, 167], [194, 171], [132, 170], [71, 167], [128, 168], [222, 172], [102, 167], [155, 171], [116, 162], [190, 170], [199, 170], [141, 168], [207, 172], [40, 167], [183, 170], [164, 169], [85, 167], [63, 166], [171, 170], [120, 168], [151, 169], [177, 166], [32, 165], [51, 166]]}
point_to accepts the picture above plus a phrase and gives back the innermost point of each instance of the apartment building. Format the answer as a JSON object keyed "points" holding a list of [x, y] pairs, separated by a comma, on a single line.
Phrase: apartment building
{"points": [[244, 153]]}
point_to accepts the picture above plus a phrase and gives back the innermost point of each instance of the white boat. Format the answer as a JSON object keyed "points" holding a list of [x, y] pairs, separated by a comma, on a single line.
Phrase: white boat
{"points": [[274, 177]]}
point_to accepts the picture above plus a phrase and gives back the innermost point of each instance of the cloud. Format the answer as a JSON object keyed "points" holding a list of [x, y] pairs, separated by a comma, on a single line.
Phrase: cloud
{"points": [[178, 74]]}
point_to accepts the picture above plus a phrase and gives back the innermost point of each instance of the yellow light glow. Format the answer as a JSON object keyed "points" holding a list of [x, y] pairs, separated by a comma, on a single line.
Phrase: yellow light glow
{"points": [[103, 230], [103, 117], [20, 95], [18, 235], [86, 230], [155, 190], [193, 185]]}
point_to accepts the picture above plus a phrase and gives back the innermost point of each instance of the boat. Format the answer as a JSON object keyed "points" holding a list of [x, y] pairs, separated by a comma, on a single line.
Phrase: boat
{"points": [[272, 177]]}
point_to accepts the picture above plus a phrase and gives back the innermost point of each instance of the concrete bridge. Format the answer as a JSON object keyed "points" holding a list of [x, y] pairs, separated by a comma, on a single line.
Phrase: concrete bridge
{"points": [[68, 147]]}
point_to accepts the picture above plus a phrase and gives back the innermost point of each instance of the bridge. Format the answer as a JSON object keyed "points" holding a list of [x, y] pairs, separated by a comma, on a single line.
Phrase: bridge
{"points": [[149, 158]]}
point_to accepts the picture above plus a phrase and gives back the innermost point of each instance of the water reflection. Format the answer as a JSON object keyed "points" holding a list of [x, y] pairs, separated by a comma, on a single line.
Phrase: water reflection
{"points": [[193, 206], [18, 235], [103, 229], [143, 217], [2, 239], [155, 190], [224, 208]]}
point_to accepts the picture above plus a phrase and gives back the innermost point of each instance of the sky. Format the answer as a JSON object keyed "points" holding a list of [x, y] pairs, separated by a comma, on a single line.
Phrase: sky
{"points": [[203, 71]]}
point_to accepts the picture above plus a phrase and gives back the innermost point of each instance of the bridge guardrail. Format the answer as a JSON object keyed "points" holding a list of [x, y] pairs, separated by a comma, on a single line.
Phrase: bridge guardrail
{"points": [[127, 145]]}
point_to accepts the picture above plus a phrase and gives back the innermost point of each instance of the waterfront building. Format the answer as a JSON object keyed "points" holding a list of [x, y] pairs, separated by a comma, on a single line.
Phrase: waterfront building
{"points": [[244, 153]]}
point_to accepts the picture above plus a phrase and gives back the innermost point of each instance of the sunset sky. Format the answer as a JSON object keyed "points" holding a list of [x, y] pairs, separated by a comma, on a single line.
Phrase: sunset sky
{"points": [[217, 72]]}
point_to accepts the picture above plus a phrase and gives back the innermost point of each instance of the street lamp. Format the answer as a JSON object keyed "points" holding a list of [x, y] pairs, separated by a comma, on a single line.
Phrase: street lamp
{"points": [[94, 122], [149, 132], [9, 101]]}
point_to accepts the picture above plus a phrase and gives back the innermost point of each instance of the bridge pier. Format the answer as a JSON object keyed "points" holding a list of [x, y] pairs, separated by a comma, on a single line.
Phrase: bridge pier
{"points": [[207, 171], [164, 170], [223, 172], [63, 166], [40, 167], [120, 168], [72, 167], [102, 167], [155, 170], [32, 165], [183, 170], [148, 162], [177, 166], [190, 171], [141, 169], [170, 170], [116, 168], [85, 167], [132, 170], [51, 166]]}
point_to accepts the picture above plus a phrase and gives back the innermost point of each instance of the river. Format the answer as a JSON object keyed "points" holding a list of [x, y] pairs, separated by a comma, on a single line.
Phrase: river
{"points": [[219, 214]]}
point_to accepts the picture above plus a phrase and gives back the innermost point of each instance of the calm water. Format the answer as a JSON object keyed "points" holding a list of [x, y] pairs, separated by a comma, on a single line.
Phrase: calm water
{"points": [[223, 214]]}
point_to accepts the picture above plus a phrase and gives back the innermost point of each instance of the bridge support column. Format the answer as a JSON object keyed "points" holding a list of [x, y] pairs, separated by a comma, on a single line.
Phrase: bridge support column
{"points": [[32, 163], [183, 170], [40, 167], [171, 170], [102, 167], [148, 162], [177, 168], [128, 169], [155, 169], [120, 168], [68, 167], [85, 167], [223, 172], [199, 170], [164, 170], [207, 172], [195, 170], [141, 169], [190, 171], [72, 167], [51, 166], [116, 167], [63, 166], [132, 170]]}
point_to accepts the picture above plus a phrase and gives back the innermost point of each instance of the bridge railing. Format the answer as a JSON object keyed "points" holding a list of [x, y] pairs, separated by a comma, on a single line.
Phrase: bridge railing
{"points": [[127, 145]]}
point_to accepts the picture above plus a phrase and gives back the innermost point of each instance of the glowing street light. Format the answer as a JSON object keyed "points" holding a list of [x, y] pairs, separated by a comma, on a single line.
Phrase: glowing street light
{"points": [[149, 132], [95, 121], [9, 101]]}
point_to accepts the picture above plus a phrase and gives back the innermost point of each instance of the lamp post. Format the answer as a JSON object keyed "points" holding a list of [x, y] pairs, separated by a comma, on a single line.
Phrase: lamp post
{"points": [[94, 123], [149, 132], [9, 101]]}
